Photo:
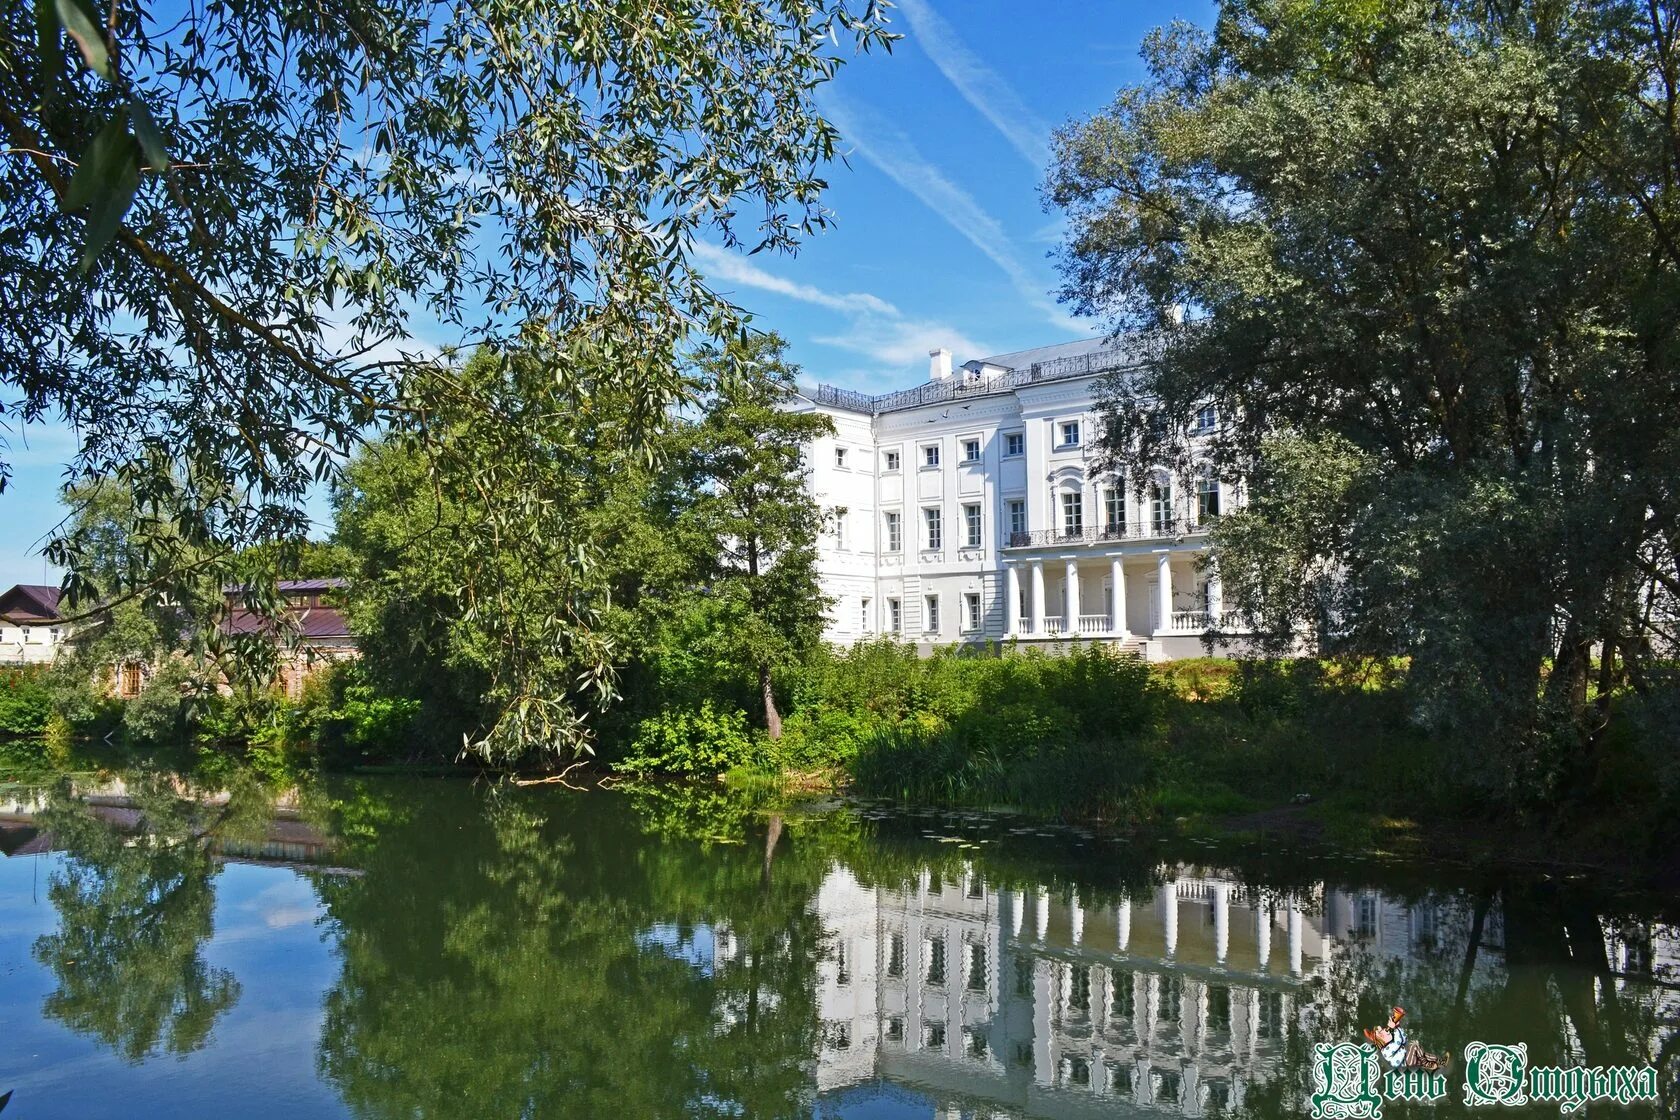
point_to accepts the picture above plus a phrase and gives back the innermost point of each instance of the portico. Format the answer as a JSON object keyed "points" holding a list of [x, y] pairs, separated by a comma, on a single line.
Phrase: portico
{"points": [[1092, 594]]}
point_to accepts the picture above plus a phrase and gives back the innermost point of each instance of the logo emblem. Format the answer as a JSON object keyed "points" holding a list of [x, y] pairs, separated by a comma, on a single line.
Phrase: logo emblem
{"points": [[1495, 1074], [1345, 1079]]}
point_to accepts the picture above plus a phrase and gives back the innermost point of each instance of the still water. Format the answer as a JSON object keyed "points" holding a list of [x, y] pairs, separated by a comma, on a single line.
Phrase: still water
{"points": [[432, 948]]}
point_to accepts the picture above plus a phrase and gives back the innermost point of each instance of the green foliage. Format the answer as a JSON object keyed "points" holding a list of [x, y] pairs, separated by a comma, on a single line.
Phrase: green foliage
{"points": [[1064, 736], [706, 740], [162, 715], [25, 701], [345, 720], [1435, 304], [232, 260]]}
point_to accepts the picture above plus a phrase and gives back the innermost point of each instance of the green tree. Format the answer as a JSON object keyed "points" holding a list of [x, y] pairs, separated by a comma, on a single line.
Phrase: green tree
{"points": [[744, 515], [134, 912], [1431, 239], [227, 228]]}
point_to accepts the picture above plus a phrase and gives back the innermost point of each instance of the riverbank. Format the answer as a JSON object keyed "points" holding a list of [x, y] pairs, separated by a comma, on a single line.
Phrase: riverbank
{"points": [[1325, 754]]}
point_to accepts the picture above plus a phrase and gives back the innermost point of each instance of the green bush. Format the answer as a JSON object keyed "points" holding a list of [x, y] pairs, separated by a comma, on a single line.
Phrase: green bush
{"points": [[703, 740], [346, 720], [161, 715], [25, 701]]}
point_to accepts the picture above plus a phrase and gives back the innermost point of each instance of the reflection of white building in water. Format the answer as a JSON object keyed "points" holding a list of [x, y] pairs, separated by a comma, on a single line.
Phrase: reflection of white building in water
{"points": [[1026, 1004]]}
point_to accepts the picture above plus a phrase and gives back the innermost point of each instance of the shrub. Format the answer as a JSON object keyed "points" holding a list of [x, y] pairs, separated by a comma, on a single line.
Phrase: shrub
{"points": [[25, 702], [703, 740], [346, 720], [160, 715]]}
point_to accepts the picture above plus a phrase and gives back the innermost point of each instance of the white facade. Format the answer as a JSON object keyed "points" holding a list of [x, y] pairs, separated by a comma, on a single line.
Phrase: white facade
{"points": [[976, 508], [30, 630]]}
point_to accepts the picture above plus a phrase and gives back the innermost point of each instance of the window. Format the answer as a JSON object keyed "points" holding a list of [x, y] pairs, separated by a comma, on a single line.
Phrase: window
{"points": [[131, 676], [974, 1042], [1014, 443], [971, 525], [1218, 1008], [1023, 978], [933, 1036], [976, 980], [1207, 418], [1073, 513], [892, 459], [895, 539], [895, 616], [1165, 1083], [1017, 520], [971, 451], [1076, 1071], [1070, 433], [1171, 1007], [895, 955], [840, 457], [971, 610], [895, 1029], [1124, 1002], [1079, 989], [1160, 506], [1207, 496], [935, 528], [1114, 509], [930, 455], [934, 950], [1367, 915], [837, 1035], [864, 619], [840, 531], [26, 637], [1120, 1080], [842, 966], [931, 602], [1270, 1022]]}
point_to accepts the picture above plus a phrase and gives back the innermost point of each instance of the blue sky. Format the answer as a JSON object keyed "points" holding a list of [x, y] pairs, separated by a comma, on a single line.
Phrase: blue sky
{"points": [[940, 237]]}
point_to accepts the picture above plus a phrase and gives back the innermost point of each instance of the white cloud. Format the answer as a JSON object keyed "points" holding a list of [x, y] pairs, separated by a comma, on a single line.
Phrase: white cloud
{"points": [[980, 86], [889, 149], [722, 265], [903, 342], [874, 327]]}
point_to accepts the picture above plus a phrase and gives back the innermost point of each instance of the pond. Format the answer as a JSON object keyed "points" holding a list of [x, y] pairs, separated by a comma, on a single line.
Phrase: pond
{"points": [[386, 947]]}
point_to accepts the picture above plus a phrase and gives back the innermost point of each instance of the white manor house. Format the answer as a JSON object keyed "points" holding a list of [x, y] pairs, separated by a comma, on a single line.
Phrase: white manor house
{"points": [[976, 507]]}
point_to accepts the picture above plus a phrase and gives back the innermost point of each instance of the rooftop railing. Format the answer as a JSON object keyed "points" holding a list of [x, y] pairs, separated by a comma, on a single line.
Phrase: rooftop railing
{"points": [[965, 384]]}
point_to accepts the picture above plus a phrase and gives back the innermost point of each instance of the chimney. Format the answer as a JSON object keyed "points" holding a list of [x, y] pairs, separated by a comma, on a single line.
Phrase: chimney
{"points": [[939, 364]]}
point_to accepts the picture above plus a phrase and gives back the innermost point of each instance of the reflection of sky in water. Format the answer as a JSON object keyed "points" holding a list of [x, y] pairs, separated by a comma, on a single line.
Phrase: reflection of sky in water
{"points": [[260, 1059], [696, 944]]}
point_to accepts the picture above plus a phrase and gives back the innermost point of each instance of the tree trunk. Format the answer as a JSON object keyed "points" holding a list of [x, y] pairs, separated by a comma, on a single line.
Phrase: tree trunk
{"points": [[771, 837], [772, 718]]}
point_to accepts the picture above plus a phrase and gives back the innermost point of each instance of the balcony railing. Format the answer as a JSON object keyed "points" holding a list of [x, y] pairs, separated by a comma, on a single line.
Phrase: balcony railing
{"points": [[1140, 531], [1093, 624], [1195, 622], [1053, 626]]}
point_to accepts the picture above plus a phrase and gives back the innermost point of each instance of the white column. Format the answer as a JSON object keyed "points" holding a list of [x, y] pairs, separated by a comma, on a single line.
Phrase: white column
{"points": [[1169, 915], [1163, 590], [1020, 911], [1263, 936], [1221, 921], [1011, 602], [1117, 597], [1124, 933], [1294, 937], [1072, 597], [1044, 1054], [1215, 598], [1038, 598], [1078, 918], [1043, 923]]}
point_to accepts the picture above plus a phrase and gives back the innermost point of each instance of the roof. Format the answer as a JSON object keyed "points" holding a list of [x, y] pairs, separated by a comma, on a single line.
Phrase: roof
{"points": [[314, 622], [1086, 357], [31, 602], [296, 586]]}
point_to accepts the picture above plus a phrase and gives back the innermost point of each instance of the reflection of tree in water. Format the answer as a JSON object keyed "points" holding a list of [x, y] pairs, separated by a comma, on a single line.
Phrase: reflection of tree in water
{"points": [[134, 910], [496, 961], [1531, 967]]}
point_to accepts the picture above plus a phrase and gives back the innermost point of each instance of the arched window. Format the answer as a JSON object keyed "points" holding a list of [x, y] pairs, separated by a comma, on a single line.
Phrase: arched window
{"points": [[1160, 503]]}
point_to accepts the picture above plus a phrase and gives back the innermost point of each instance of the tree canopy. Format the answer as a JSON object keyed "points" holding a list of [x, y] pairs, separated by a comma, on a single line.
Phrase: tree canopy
{"points": [[1427, 252], [240, 237]]}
